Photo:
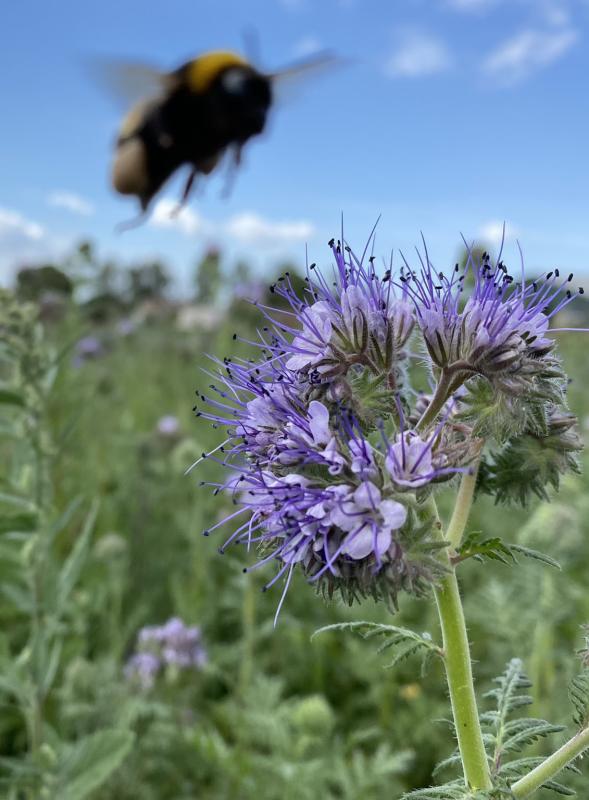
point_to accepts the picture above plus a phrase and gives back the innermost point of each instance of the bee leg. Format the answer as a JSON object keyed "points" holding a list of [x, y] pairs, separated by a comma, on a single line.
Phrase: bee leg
{"points": [[234, 164], [185, 193], [129, 224]]}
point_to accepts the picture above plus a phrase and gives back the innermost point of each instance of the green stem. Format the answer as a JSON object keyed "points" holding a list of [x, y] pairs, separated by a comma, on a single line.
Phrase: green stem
{"points": [[462, 508], [552, 766], [436, 403], [460, 684], [457, 653]]}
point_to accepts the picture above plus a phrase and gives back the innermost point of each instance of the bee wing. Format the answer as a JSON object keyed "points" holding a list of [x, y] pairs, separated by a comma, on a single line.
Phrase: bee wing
{"points": [[129, 82], [287, 79]]}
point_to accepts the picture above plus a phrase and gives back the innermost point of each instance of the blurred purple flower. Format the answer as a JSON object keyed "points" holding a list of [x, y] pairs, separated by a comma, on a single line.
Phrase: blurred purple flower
{"points": [[126, 326], [159, 646], [143, 668], [87, 348], [168, 426]]}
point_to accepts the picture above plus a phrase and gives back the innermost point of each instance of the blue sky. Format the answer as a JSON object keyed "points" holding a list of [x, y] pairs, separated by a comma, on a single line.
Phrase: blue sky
{"points": [[451, 117]]}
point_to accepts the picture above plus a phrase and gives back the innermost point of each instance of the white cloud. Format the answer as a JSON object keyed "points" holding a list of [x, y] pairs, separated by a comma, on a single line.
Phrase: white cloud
{"points": [[492, 232], [250, 228], [186, 220], [526, 53], [13, 224], [71, 202], [245, 228], [24, 241], [418, 54]]}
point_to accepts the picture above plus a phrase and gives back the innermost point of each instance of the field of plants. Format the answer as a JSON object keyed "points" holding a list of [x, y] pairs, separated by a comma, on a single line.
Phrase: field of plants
{"points": [[136, 661]]}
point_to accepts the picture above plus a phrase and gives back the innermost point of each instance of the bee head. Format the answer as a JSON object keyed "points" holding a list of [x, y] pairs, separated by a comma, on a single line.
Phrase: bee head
{"points": [[248, 95]]}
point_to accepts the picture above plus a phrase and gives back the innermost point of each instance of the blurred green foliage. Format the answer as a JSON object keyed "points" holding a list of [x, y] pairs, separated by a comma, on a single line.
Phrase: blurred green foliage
{"points": [[101, 535]]}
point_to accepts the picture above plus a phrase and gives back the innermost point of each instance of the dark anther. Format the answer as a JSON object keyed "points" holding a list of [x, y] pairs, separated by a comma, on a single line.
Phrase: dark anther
{"points": [[569, 279], [234, 336], [331, 242]]}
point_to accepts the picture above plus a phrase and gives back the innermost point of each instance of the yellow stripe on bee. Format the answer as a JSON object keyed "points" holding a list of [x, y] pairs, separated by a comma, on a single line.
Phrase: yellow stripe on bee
{"points": [[203, 70]]}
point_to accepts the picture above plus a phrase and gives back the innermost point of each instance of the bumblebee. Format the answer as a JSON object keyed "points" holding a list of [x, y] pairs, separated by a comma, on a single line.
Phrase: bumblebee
{"points": [[208, 107]]}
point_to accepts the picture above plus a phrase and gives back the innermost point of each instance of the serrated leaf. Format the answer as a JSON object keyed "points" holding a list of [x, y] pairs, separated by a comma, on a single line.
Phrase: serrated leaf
{"points": [[87, 764], [495, 549], [579, 695], [535, 729], [404, 641], [559, 788], [527, 552]]}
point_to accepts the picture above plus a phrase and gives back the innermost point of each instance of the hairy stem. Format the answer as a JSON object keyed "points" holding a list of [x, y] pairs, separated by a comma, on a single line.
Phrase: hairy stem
{"points": [[457, 660], [462, 508], [437, 402], [527, 785]]}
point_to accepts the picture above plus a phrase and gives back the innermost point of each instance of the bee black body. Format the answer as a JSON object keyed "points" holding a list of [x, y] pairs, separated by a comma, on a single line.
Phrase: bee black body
{"points": [[209, 105]]}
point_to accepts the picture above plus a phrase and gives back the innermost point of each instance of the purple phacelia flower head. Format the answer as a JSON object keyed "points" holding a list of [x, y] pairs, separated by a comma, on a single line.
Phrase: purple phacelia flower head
{"points": [[332, 455], [309, 463], [481, 321], [358, 318]]}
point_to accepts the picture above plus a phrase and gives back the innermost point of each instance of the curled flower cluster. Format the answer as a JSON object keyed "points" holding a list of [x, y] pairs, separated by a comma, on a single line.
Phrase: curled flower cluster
{"points": [[500, 331], [159, 646], [333, 455]]}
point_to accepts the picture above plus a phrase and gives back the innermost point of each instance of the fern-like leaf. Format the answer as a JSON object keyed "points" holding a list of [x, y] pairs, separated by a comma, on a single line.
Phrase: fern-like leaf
{"points": [[504, 735], [495, 549], [579, 694], [402, 641]]}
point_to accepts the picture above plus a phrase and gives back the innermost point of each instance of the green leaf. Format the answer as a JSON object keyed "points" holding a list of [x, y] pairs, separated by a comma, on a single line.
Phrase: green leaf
{"points": [[72, 567], [529, 553], [18, 596], [87, 764], [579, 694], [18, 522], [51, 667], [404, 641], [495, 549], [24, 503], [11, 397], [474, 546]]}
